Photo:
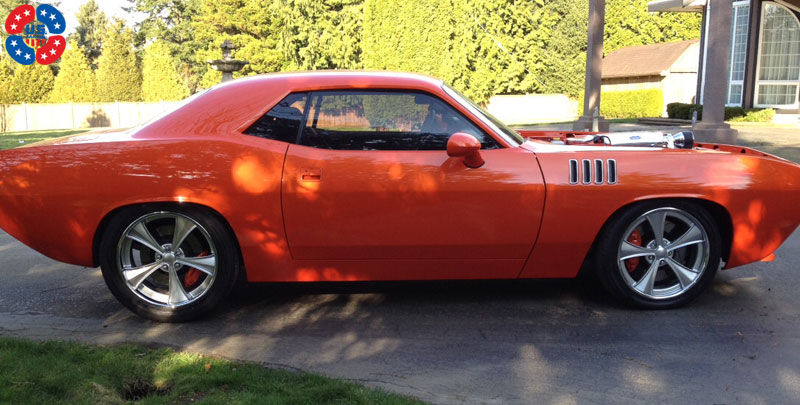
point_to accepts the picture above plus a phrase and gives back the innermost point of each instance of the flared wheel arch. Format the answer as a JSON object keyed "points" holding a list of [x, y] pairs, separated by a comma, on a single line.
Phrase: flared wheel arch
{"points": [[159, 206], [720, 214]]}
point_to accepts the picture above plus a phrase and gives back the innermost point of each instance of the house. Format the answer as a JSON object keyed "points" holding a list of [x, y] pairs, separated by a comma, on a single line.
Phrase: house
{"points": [[670, 67], [764, 66]]}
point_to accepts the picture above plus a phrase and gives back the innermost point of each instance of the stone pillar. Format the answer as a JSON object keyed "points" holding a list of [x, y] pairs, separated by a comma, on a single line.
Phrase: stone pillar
{"points": [[712, 128], [591, 119]]}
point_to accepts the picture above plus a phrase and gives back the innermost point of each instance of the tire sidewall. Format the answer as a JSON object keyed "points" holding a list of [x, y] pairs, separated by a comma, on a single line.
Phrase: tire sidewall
{"points": [[226, 252]]}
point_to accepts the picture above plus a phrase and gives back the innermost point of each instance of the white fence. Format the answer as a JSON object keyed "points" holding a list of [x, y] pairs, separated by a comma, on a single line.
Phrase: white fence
{"points": [[522, 109], [37, 117]]}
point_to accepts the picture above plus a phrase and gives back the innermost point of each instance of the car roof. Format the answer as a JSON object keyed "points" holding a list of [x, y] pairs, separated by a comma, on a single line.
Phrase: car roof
{"points": [[331, 79], [228, 106]]}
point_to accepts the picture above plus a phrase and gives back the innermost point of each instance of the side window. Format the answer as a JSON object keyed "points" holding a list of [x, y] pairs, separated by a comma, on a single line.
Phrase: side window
{"points": [[282, 122], [384, 120]]}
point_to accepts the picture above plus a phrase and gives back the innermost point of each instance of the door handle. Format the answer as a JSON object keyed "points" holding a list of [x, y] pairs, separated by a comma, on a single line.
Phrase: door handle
{"points": [[311, 175]]}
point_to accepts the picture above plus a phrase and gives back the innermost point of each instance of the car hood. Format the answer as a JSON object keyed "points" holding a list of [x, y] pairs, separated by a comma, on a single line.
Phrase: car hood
{"points": [[540, 146]]}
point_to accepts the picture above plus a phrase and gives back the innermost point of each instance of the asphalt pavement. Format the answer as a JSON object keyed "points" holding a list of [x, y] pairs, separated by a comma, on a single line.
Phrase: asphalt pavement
{"points": [[460, 342]]}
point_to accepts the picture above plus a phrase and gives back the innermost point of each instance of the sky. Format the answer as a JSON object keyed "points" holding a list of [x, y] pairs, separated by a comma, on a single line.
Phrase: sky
{"points": [[112, 8]]}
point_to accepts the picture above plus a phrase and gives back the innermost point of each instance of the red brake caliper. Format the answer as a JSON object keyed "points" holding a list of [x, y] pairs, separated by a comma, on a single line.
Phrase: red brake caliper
{"points": [[193, 274], [635, 239]]}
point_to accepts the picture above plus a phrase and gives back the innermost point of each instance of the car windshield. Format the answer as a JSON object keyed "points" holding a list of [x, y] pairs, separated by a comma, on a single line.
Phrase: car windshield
{"points": [[485, 116]]}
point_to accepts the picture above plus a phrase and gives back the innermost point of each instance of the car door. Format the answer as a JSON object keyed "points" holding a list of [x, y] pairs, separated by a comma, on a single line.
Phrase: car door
{"points": [[370, 179]]}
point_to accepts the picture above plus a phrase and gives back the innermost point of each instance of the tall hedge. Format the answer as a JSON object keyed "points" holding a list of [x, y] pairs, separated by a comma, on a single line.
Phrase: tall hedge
{"points": [[631, 104], [420, 36], [482, 47]]}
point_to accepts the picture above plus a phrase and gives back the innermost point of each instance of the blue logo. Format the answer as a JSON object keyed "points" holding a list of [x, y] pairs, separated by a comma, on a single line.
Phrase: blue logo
{"points": [[35, 34]]}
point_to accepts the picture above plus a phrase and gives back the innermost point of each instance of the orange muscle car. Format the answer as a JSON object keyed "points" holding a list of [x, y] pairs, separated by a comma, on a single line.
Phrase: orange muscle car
{"points": [[340, 176]]}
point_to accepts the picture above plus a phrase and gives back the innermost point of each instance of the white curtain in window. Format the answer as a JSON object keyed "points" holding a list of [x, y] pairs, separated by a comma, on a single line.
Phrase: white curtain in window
{"points": [[779, 66]]}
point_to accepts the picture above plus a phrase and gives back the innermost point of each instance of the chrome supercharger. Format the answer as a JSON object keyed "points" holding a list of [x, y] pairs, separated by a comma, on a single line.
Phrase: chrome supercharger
{"points": [[679, 140]]}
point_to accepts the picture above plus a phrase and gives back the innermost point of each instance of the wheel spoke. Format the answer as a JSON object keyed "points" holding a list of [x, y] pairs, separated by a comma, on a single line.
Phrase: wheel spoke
{"points": [[685, 275], [141, 234], [657, 220], [646, 283], [206, 264], [692, 236], [183, 227], [176, 292], [135, 276], [629, 250]]}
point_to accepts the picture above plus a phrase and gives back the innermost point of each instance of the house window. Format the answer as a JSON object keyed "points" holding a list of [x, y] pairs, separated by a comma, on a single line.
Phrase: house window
{"points": [[739, 28], [779, 60]]}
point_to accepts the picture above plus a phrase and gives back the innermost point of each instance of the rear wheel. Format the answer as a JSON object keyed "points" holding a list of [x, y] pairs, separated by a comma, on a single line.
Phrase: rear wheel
{"points": [[659, 254], [167, 264]]}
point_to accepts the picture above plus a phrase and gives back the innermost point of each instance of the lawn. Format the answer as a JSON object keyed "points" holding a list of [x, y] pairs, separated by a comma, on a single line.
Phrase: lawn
{"points": [[60, 372], [10, 140]]}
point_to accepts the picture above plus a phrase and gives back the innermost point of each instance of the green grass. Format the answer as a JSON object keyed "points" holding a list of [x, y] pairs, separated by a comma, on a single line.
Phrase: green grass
{"points": [[10, 140], [60, 372]]}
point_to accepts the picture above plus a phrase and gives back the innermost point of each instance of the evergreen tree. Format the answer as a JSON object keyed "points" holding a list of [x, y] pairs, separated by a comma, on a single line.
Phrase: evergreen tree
{"points": [[170, 21], [280, 35], [75, 80], [90, 30], [6, 80], [417, 36], [628, 23], [32, 83], [160, 80], [487, 47], [319, 34], [250, 26], [118, 75], [6, 90]]}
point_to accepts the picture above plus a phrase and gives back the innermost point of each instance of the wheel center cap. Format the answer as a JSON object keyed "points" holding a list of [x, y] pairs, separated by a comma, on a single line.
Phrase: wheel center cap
{"points": [[169, 258], [661, 252]]}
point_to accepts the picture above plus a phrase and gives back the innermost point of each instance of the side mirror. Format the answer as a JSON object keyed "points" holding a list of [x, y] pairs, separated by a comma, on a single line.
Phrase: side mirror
{"points": [[466, 146]]}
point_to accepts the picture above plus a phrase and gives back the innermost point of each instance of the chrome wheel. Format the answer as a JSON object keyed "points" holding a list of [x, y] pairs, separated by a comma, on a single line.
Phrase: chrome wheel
{"points": [[167, 259], [663, 253]]}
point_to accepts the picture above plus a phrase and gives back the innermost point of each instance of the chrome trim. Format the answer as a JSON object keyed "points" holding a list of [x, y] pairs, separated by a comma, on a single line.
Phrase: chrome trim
{"points": [[612, 171], [586, 171], [573, 171], [598, 171]]}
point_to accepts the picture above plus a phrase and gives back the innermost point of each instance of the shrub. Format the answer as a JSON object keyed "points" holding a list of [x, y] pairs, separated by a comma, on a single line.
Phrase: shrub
{"points": [[684, 111], [755, 115], [735, 114], [630, 104]]}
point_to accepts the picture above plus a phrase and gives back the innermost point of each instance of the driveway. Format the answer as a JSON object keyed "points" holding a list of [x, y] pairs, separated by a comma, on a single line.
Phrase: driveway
{"points": [[460, 342]]}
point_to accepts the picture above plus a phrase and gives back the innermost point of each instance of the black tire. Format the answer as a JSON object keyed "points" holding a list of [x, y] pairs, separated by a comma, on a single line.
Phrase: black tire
{"points": [[675, 290], [212, 231]]}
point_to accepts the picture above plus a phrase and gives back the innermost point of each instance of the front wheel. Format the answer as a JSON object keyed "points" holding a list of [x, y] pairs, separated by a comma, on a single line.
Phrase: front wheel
{"points": [[167, 264], [659, 255]]}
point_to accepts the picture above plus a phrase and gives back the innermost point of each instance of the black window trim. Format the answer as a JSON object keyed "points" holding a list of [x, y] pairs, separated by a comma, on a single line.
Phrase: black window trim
{"points": [[310, 95], [306, 108]]}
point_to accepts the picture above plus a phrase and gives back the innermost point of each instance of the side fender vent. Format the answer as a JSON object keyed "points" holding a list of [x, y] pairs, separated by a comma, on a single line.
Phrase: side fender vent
{"points": [[612, 171], [589, 171], [573, 171]]}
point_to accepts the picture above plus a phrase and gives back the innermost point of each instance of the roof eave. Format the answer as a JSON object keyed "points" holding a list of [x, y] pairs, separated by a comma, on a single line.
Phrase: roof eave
{"points": [[633, 75], [677, 6]]}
